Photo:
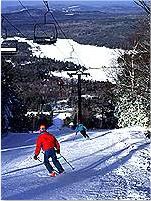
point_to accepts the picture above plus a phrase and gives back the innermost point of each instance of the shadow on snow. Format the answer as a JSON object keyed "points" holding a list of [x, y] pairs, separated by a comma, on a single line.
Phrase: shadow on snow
{"points": [[80, 175]]}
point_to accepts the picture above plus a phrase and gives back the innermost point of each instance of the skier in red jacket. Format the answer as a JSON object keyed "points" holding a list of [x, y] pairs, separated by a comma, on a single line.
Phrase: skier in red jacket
{"points": [[50, 146]]}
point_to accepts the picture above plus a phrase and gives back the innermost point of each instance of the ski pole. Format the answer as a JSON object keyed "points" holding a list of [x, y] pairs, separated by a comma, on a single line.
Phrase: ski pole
{"points": [[67, 161], [75, 136], [39, 159]]}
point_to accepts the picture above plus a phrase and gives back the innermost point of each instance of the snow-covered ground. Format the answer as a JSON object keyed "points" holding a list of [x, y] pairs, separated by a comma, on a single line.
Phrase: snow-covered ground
{"points": [[114, 164], [58, 119], [92, 57]]}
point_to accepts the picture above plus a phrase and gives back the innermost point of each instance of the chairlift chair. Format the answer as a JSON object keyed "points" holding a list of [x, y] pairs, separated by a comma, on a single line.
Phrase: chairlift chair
{"points": [[71, 63], [45, 33], [9, 47]]}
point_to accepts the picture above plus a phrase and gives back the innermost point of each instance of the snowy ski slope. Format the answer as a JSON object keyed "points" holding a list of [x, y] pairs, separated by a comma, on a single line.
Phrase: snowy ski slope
{"points": [[94, 58], [114, 164]]}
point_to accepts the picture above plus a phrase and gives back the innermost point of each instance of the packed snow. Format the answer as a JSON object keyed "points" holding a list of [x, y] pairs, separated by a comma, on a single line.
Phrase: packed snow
{"points": [[94, 58], [114, 164]]}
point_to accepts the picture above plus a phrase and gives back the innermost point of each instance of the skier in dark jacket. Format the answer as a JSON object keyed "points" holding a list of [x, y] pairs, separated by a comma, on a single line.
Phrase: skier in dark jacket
{"points": [[50, 146], [82, 129]]}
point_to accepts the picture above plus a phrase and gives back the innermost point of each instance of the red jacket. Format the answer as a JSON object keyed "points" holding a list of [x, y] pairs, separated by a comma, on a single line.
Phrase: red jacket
{"points": [[46, 141]]}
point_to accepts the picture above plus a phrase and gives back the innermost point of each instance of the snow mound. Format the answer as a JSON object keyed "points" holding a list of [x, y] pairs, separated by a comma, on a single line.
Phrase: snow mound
{"points": [[58, 120]]}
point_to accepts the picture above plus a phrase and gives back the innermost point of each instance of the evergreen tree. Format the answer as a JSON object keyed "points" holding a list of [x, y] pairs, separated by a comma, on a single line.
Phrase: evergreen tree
{"points": [[12, 110]]}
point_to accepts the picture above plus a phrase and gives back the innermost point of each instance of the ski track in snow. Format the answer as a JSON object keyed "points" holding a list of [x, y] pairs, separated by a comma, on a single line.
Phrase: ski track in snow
{"points": [[112, 165]]}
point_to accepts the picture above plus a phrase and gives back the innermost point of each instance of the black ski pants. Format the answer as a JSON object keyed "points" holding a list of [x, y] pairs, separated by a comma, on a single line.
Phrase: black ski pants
{"points": [[51, 153], [83, 132]]}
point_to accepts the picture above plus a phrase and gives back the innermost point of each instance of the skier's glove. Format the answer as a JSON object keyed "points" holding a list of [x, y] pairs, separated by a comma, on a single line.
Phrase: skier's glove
{"points": [[58, 151], [35, 157]]}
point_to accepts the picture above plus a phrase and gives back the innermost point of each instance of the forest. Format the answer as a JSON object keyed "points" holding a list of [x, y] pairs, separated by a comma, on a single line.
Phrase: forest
{"points": [[27, 81]]}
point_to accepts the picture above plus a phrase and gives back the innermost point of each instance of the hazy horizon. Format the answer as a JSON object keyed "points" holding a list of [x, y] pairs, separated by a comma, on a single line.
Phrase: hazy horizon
{"points": [[67, 0]]}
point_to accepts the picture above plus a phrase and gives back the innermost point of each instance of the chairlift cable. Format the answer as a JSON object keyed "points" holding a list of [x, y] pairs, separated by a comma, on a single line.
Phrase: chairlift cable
{"points": [[3, 17], [27, 10], [65, 36], [34, 20], [46, 4], [38, 25], [20, 32], [73, 50], [26, 36], [13, 25]]}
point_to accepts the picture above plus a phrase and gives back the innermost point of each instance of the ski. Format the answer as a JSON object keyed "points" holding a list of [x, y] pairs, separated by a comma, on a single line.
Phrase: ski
{"points": [[48, 175]]}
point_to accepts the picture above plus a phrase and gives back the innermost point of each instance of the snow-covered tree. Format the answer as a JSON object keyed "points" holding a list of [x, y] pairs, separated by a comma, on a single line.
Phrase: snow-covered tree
{"points": [[133, 81], [12, 109]]}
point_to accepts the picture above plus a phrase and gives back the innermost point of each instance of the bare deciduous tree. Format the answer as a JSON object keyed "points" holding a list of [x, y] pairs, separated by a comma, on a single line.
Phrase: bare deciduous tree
{"points": [[133, 77], [143, 4]]}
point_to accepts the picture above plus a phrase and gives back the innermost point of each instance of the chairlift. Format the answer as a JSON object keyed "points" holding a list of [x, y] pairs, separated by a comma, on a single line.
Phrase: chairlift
{"points": [[45, 33], [71, 63], [8, 45]]}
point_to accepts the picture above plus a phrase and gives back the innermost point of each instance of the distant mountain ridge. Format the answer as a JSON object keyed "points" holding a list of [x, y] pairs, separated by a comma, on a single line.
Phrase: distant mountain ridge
{"points": [[109, 24], [109, 6]]}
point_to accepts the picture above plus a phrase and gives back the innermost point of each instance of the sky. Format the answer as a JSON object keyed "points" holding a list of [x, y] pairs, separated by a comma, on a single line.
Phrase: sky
{"points": [[70, 0]]}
